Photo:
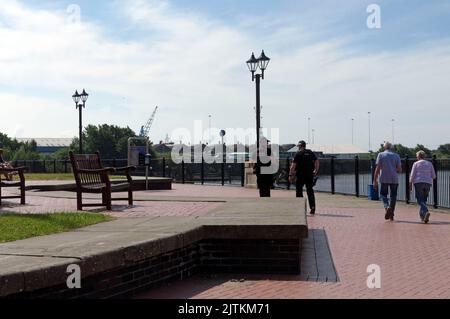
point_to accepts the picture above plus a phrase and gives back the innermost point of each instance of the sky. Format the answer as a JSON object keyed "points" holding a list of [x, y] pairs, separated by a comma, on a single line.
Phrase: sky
{"points": [[188, 58]]}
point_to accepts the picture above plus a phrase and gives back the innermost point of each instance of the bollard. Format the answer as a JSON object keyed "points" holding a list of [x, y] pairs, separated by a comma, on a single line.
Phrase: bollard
{"points": [[357, 176], [182, 172], [435, 183], [333, 176], [407, 175], [203, 170], [243, 174], [164, 167]]}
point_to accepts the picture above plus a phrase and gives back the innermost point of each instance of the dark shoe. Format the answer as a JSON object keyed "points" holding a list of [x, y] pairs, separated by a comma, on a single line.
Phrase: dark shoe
{"points": [[426, 220], [392, 218], [313, 211], [388, 214]]}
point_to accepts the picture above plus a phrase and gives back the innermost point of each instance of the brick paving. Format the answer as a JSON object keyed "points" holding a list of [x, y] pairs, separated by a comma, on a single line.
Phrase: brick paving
{"points": [[414, 258], [49, 204], [212, 191]]}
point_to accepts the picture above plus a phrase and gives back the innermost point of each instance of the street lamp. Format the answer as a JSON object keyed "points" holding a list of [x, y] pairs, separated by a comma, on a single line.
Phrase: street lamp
{"points": [[83, 97], [209, 133], [393, 131], [370, 131], [353, 131], [253, 64], [309, 130]]}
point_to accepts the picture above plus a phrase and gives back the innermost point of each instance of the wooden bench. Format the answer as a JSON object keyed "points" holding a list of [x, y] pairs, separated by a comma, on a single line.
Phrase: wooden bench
{"points": [[92, 177], [20, 183]]}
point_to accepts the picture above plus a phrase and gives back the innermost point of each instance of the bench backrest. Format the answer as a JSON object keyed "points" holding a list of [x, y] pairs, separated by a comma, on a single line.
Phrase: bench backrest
{"points": [[86, 161]]}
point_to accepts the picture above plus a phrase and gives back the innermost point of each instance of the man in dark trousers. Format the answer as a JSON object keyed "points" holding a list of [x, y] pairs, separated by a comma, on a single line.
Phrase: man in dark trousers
{"points": [[264, 180], [306, 167]]}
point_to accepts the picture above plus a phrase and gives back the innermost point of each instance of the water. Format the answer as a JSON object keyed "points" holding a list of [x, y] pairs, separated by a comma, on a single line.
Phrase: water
{"points": [[345, 184]]}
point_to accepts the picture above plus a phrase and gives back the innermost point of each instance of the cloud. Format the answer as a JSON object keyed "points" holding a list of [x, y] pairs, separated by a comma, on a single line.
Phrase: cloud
{"points": [[192, 65]]}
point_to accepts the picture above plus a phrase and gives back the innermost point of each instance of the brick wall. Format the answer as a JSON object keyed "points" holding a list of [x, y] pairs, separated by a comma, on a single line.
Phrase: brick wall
{"points": [[250, 256], [211, 256]]}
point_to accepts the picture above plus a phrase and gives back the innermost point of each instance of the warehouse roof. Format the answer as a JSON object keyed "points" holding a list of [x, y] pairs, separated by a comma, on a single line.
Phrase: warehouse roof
{"points": [[49, 142]]}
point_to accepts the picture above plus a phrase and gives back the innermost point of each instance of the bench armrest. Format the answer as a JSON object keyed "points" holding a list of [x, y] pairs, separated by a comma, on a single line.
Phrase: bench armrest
{"points": [[16, 169], [127, 168]]}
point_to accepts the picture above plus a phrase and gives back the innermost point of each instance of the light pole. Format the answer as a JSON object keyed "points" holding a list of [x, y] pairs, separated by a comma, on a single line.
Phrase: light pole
{"points": [[76, 98], [313, 136], [370, 137], [209, 134], [353, 131], [253, 64], [309, 130], [393, 131]]}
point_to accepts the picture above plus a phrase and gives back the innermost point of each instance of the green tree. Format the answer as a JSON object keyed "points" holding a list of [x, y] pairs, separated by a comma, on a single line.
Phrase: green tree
{"points": [[404, 151], [110, 140], [62, 154], [401, 150], [15, 150], [24, 153], [8, 143], [444, 150]]}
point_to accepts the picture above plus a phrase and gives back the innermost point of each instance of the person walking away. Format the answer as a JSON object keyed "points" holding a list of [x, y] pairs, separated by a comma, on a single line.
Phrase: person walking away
{"points": [[305, 167], [389, 165], [422, 176]]}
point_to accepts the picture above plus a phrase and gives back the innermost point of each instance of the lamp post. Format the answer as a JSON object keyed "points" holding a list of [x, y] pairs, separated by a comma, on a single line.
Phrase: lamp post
{"points": [[309, 130], [393, 131], [253, 64], [209, 134], [83, 97], [370, 133], [353, 131]]}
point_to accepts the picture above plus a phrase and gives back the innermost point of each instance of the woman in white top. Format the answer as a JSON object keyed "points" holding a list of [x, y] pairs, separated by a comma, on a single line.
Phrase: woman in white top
{"points": [[422, 176]]}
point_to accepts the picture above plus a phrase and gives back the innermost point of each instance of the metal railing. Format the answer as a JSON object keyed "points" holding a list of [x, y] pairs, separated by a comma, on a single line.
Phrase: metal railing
{"points": [[337, 176], [59, 166], [355, 176]]}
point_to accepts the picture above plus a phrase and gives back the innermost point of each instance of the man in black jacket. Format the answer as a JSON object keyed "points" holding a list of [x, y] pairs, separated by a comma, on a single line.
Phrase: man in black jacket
{"points": [[305, 167]]}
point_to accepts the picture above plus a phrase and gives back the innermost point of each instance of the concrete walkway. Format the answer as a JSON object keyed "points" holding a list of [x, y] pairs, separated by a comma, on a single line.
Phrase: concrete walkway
{"points": [[414, 258]]}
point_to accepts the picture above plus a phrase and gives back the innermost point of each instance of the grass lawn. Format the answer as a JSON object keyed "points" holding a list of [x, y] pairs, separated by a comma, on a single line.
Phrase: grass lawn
{"points": [[16, 227], [57, 177]]}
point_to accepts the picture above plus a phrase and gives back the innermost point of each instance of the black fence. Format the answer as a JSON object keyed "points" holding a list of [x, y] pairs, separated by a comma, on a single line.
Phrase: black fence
{"points": [[337, 176], [355, 176], [200, 173], [59, 166]]}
